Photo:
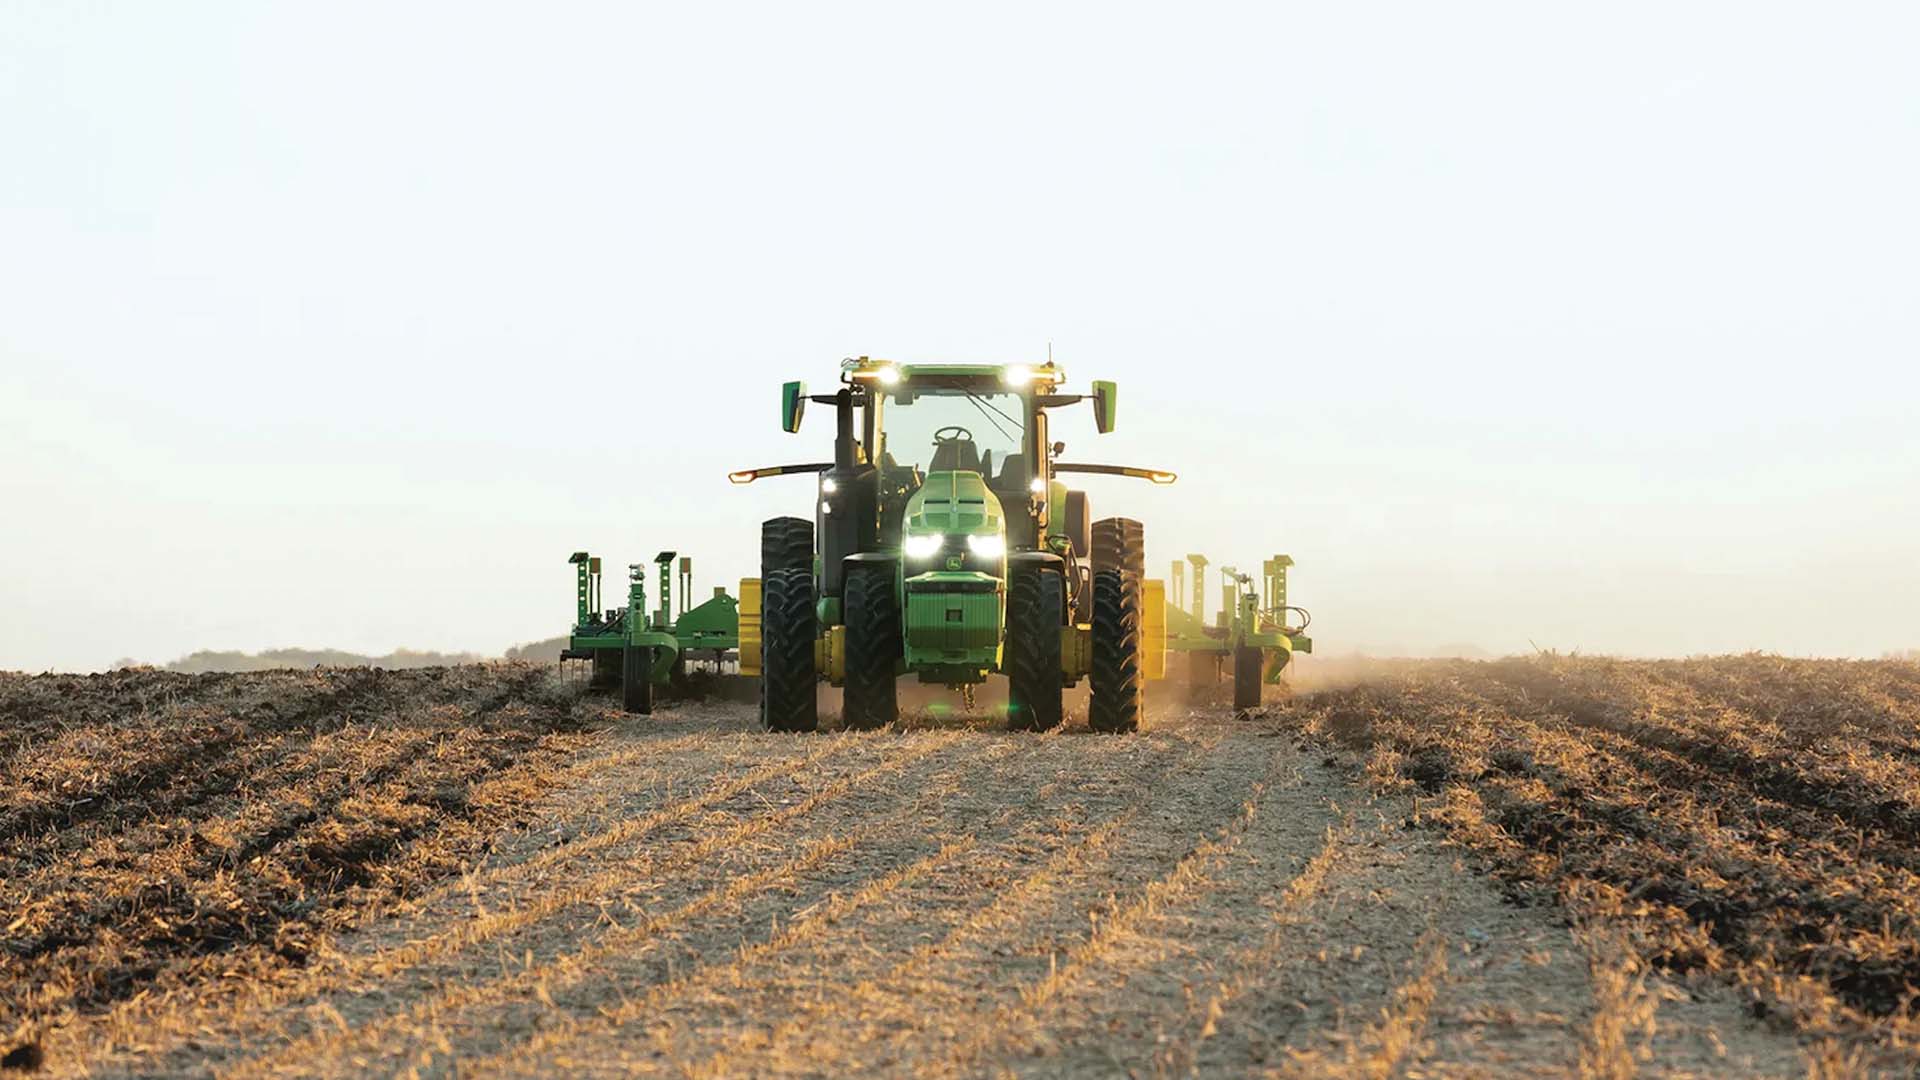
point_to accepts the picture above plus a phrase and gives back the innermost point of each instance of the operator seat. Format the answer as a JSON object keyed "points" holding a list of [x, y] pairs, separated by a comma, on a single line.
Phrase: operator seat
{"points": [[955, 456]]}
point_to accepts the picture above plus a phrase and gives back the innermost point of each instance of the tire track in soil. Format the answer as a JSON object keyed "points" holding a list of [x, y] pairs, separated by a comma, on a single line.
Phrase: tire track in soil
{"points": [[599, 1044], [553, 1039], [1181, 883], [862, 1021], [811, 1015], [1248, 966]]}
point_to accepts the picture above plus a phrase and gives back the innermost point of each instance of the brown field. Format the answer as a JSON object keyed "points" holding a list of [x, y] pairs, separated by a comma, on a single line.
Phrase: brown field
{"points": [[1431, 869]]}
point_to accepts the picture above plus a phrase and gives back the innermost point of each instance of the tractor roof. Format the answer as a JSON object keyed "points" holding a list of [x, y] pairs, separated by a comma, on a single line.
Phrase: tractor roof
{"points": [[996, 375]]}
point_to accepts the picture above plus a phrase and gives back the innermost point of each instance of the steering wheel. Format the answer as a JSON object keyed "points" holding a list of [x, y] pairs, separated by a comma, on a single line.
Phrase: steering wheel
{"points": [[952, 433]]}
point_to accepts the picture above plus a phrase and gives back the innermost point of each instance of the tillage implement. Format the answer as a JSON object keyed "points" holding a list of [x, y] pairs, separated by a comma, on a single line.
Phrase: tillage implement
{"points": [[639, 650]]}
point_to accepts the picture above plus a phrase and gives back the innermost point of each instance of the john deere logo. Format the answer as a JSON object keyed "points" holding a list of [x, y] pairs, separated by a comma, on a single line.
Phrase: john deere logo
{"points": [[953, 562]]}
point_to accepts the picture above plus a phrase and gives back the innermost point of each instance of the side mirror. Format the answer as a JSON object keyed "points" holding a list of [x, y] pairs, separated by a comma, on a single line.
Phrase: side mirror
{"points": [[793, 404], [1103, 394]]}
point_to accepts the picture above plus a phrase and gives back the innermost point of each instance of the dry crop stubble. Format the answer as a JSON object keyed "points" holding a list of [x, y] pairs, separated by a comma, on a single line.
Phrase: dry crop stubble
{"points": [[478, 871], [718, 997], [880, 998], [1747, 818], [250, 1007], [171, 873], [591, 942]]}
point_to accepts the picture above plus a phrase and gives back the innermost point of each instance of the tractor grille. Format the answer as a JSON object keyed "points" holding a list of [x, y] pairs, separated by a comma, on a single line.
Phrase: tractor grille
{"points": [[956, 622]]}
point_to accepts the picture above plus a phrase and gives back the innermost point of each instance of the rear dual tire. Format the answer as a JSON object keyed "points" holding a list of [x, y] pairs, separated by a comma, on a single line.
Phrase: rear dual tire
{"points": [[1117, 691], [1117, 679]]}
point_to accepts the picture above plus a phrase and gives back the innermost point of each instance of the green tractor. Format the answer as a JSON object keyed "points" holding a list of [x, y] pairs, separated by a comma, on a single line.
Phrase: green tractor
{"points": [[944, 545]]}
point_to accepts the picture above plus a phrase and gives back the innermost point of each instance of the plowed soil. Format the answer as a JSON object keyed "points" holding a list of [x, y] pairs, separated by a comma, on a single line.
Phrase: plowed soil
{"points": [[1530, 867]]}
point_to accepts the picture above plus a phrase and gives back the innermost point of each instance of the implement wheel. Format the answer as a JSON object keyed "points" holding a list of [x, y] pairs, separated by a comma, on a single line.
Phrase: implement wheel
{"points": [[873, 647], [1247, 660], [1117, 699], [787, 632], [636, 680], [786, 543], [1034, 602]]}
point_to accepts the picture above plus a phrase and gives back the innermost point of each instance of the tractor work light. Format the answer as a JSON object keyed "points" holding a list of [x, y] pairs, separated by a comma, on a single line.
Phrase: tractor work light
{"points": [[1163, 477], [1039, 485], [1018, 375], [829, 486], [884, 374], [922, 547], [987, 545], [744, 476]]}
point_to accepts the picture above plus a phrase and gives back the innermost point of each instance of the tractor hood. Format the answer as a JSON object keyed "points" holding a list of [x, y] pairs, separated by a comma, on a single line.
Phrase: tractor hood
{"points": [[953, 502], [953, 523]]}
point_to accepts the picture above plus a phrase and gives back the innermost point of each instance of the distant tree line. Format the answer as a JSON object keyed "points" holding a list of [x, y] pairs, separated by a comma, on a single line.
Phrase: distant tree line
{"points": [[538, 652]]}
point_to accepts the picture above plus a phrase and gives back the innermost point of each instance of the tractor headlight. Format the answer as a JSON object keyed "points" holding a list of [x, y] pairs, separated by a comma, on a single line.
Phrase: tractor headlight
{"points": [[1017, 375], [987, 545], [922, 547], [888, 376]]}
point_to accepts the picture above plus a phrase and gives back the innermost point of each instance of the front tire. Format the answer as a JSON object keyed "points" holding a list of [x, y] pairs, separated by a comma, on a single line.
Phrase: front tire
{"points": [[1034, 602], [788, 629], [873, 647], [1117, 698], [636, 680]]}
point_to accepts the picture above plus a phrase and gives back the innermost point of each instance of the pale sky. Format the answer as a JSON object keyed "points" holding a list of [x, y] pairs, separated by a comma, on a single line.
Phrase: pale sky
{"points": [[340, 325]]}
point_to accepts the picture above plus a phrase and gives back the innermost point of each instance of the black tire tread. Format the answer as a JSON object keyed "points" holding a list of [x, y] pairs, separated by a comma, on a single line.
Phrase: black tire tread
{"points": [[787, 676], [786, 543], [1117, 698], [1034, 601], [870, 697], [1120, 544]]}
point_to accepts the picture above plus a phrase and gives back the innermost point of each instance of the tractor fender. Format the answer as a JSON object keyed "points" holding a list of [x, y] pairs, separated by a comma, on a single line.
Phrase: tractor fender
{"points": [[1035, 560]]}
